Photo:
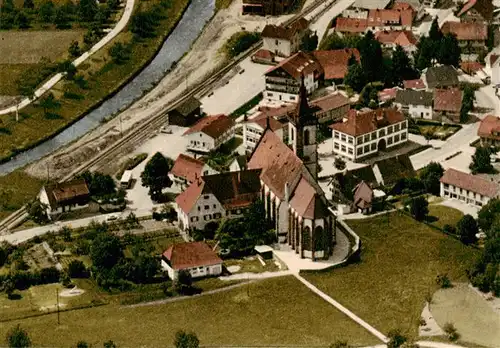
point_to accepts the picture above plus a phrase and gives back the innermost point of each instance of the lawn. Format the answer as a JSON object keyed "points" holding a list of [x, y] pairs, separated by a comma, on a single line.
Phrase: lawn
{"points": [[16, 189], [252, 265], [400, 260], [274, 311], [222, 4], [159, 244], [103, 78], [440, 215]]}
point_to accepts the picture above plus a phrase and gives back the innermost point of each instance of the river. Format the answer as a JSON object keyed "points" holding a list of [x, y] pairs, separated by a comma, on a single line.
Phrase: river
{"points": [[175, 46]]}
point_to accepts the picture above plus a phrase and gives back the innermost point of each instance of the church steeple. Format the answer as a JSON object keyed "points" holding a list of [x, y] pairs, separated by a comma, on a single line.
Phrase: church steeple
{"points": [[303, 113]]}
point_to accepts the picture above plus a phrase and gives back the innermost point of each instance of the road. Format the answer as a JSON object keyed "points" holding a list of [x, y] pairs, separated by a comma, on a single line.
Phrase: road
{"points": [[322, 23], [122, 23]]}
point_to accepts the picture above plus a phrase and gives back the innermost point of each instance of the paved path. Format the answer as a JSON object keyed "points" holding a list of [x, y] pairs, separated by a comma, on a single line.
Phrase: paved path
{"points": [[263, 275], [122, 23]]}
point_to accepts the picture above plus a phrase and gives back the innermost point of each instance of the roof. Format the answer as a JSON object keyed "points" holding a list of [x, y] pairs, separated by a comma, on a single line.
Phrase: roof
{"points": [[286, 33], [483, 7], [448, 99], [299, 64], [187, 167], [403, 38], [387, 94], [126, 176], [68, 191], [378, 17], [414, 84], [395, 168], [306, 203], [489, 127], [403, 6], [189, 106], [335, 62], [262, 249], [189, 255], [264, 54], [465, 31], [330, 102], [261, 120], [213, 126], [232, 189], [413, 97], [362, 123], [493, 59], [441, 76], [470, 182], [351, 25], [471, 67], [363, 195], [371, 4]]}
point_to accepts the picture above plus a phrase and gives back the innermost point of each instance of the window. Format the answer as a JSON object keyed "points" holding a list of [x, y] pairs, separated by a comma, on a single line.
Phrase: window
{"points": [[360, 140], [269, 94], [292, 98], [214, 206], [403, 136], [203, 144], [207, 207], [343, 137], [396, 138], [403, 125], [389, 141], [194, 219], [367, 148], [359, 151], [206, 197], [276, 42], [446, 186], [207, 217], [396, 127], [389, 130], [350, 140], [343, 148], [373, 146], [336, 146], [292, 133], [336, 135], [306, 137], [381, 133], [199, 208], [350, 151], [367, 138]]}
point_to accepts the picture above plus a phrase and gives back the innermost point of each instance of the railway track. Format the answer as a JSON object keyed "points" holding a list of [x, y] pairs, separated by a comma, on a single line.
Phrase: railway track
{"points": [[148, 127]]}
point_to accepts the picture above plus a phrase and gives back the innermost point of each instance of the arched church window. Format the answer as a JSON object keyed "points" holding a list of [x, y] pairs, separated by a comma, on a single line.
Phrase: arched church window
{"points": [[306, 137]]}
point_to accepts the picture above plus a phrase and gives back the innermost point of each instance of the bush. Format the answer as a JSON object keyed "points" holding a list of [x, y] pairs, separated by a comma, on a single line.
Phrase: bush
{"points": [[240, 42], [396, 339], [443, 281], [76, 269], [451, 331], [449, 229], [18, 338]]}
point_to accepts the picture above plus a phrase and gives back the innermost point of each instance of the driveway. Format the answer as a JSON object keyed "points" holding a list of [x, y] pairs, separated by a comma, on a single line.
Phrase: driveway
{"points": [[463, 207]]}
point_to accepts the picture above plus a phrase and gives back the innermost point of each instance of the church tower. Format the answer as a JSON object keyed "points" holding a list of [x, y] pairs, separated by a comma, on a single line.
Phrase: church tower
{"points": [[302, 130]]}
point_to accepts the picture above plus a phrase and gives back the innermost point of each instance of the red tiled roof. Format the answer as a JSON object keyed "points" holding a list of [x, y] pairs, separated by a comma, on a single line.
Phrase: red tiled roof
{"points": [[448, 99], [466, 31], [280, 32], [261, 120], [359, 124], [69, 190], [470, 182], [378, 18], [298, 64], [305, 201], [489, 127], [363, 195], [403, 38], [188, 198], [334, 62], [330, 102], [402, 6], [264, 54], [471, 67], [388, 94], [213, 126], [414, 84], [189, 255], [351, 25], [187, 167]]}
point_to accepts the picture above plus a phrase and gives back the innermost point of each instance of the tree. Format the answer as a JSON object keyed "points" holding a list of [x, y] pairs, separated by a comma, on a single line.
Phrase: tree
{"points": [[232, 235], [77, 269], [396, 339], [61, 19], [488, 213], [369, 94], [435, 33], [87, 10], [183, 284], [419, 208], [8, 287], [120, 53], [481, 161], [339, 163], [186, 340], [22, 20], [68, 68], [402, 68], [467, 229], [106, 250], [257, 226], [355, 77], [143, 25], [49, 103], [448, 52], [424, 54], [309, 42], [109, 344], [155, 175], [18, 338], [82, 344], [28, 4], [38, 211], [99, 184], [467, 103], [430, 176], [370, 51], [340, 344], [74, 49], [46, 11]]}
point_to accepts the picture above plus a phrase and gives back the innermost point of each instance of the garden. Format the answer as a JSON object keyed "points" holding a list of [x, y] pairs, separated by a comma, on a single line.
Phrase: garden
{"points": [[432, 129]]}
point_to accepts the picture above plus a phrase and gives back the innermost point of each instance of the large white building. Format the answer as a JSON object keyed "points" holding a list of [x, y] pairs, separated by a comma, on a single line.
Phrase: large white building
{"points": [[417, 104], [284, 80], [209, 133], [364, 134], [284, 41], [468, 188]]}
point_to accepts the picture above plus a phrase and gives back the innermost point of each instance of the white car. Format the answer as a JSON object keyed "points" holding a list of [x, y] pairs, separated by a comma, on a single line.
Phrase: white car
{"points": [[166, 130], [112, 217]]}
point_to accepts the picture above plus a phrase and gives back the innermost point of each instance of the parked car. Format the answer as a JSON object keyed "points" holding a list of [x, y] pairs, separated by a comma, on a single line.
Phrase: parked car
{"points": [[166, 130], [112, 217]]}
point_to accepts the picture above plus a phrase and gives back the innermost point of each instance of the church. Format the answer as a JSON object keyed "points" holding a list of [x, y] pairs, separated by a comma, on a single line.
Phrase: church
{"points": [[293, 200]]}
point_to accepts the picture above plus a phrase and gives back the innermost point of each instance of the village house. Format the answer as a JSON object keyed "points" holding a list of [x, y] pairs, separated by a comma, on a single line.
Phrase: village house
{"points": [[335, 63], [387, 95], [263, 56], [391, 39], [489, 131], [366, 199], [212, 197], [476, 11], [284, 41], [416, 104], [283, 80], [364, 134], [64, 197], [197, 258], [360, 6], [255, 127], [268, 7], [390, 19], [471, 36], [447, 104], [443, 76], [493, 68], [187, 169], [332, 107], [185, 114], [468, 188], [417, 84], [209, 133]]}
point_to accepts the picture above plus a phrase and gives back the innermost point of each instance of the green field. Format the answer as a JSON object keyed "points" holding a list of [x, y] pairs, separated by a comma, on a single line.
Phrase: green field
{"points": [[440, 215], [278, 311], [16, 189], [400, 260]]}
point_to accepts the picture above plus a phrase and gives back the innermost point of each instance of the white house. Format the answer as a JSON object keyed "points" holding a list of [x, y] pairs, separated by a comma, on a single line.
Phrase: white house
{"points": [[212, 197], [363, 134], [254, 128], [64, 197], [186, 169], [283, 80], [196, 257], [284, 41], [468, 188], [209, 133], [417, 104]]}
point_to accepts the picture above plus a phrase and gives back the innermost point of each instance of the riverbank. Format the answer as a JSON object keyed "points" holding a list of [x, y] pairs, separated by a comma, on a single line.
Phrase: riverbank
{"points": [[103, 79]]}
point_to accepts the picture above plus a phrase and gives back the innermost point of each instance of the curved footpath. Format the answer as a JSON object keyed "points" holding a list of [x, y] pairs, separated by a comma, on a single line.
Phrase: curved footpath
{"points": [[127, 13]]}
